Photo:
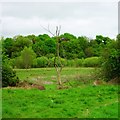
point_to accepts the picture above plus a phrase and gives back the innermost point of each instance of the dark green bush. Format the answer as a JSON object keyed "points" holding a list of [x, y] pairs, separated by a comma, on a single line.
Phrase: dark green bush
{"points": [[111, 65], [111, 57], [9, 77]]}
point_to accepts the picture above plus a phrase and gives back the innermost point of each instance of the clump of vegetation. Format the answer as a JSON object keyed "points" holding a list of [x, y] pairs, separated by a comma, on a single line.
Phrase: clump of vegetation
{"points": [[92, 62], [9, 77], [26, 59], [111, 58], [42, 62]]}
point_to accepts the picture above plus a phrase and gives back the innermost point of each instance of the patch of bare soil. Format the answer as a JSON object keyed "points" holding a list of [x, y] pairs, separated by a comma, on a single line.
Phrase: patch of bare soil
{"points": [[115, 81], [27, 85]]}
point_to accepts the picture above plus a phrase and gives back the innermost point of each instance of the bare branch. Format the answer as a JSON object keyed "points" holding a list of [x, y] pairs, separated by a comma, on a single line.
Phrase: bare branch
{"points": [[48, 30], [61, 68], [56, 30], [59, 30]]}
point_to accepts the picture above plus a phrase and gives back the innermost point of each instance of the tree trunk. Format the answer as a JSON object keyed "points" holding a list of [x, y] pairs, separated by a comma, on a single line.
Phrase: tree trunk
{"points": [[59, 78]]}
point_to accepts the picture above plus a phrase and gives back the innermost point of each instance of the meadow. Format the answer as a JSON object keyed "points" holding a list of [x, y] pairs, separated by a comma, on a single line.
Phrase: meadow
{"points": [[81, 100], [71, 74]]}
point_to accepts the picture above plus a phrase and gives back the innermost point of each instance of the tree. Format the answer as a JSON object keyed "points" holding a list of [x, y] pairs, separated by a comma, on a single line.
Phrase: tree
{"points": [[111, 58], [20, 43], [27, 56], [8, 44], [58, 64], [57, 61]]}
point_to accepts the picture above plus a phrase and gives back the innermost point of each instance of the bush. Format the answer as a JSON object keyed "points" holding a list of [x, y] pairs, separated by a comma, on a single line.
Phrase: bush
{"points": [[42, 61], [26, 59], [12, 62], [51, 62], [19, 62], [34, 64], [71, 63], [50, 55], [79, 62], [27, 56], [9, 77], [111, 66], [63, 61], [92, 62]]}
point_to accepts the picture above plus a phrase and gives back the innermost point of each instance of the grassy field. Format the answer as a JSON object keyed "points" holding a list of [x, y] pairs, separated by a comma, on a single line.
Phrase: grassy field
{"points": [[81, 101], [49, 74]]}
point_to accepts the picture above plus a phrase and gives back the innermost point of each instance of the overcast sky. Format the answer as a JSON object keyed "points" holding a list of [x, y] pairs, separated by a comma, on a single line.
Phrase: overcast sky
{"points": [[78, 18]]}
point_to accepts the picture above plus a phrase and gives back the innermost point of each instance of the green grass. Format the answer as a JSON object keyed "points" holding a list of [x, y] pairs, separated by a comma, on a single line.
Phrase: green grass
{"points": [[80, 102], [49, 74]]}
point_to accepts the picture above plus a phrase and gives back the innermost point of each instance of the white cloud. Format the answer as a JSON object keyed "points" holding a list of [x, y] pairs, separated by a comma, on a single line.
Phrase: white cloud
{"points": [[87, 19]]}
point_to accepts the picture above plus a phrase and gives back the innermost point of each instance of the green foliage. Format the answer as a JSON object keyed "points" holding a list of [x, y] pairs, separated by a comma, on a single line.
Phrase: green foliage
{"points": [[62, 60], [42, 61], [44, 45], [71, 47], [7, 45], [111, 58], [26, 59], [12, 62], [79, 62], [89, 52], [92, 62], [9, 77], [70, 63], [19, 62]]}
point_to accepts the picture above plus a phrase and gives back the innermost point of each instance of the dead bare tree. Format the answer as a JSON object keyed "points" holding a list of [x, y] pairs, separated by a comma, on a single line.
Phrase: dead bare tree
{"points": [[57, 61]]}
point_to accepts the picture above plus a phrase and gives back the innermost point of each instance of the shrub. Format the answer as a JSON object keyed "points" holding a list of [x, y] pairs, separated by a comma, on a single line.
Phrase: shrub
{"points": [[27, 56], [50, 55], [26, 59], [34, 64], [111, 57], [64, 62], [12, 62], [42, 61], [9, 77], [71, 63], [52, 60], [79, 62], [18, 62], [92, 62]]}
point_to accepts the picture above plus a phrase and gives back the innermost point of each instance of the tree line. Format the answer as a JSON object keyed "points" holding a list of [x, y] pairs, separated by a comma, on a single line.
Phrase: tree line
{"points": [[71, 47], [39, 51]]}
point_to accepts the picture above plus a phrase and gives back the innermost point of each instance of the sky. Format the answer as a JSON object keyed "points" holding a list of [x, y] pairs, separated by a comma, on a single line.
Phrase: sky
{"points": [[78, 18]]}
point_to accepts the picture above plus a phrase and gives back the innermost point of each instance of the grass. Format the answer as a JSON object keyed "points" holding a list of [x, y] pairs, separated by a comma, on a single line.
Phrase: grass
{"points": [[80, 101], [49, 74]]}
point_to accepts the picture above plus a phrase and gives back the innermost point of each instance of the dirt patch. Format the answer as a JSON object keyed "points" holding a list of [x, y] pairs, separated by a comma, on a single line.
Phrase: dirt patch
{"points": [[47, 82], [115, 81]]}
